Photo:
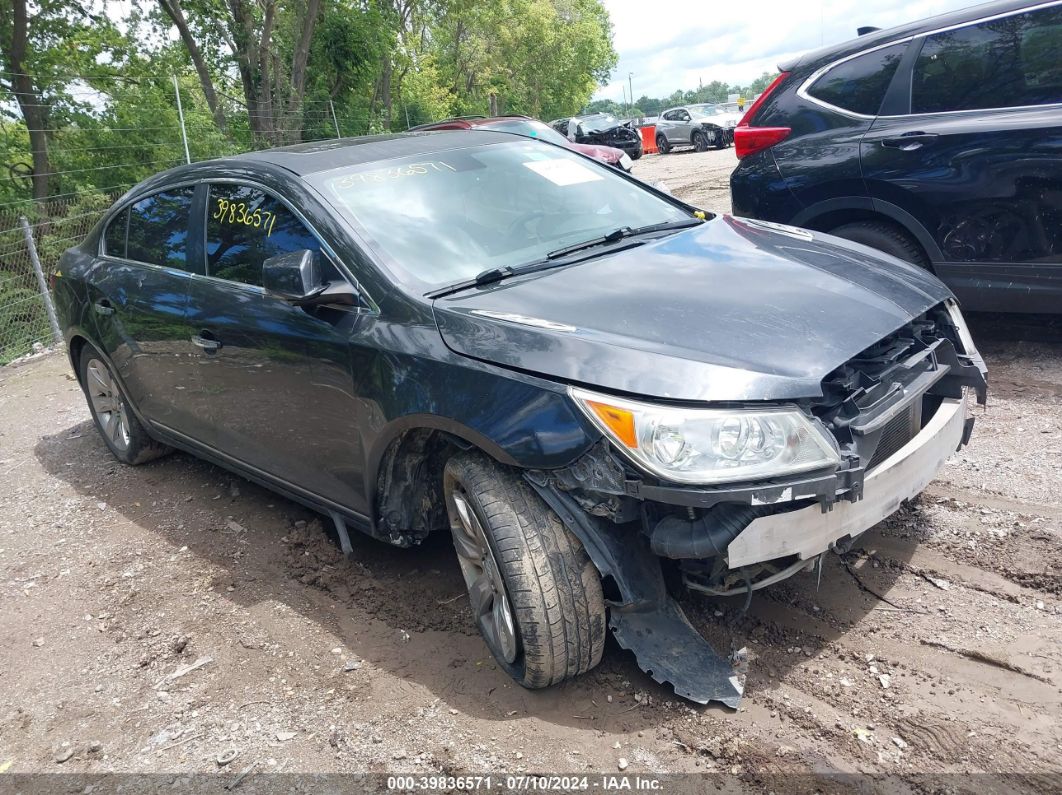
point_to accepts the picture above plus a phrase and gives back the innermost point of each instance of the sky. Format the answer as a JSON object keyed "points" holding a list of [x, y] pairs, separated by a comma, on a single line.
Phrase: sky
{"points": [[673, 44]]}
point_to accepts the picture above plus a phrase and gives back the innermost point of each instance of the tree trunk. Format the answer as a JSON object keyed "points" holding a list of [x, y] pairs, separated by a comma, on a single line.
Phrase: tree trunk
{"points": [[385, 88], [493, 104], [30, 102], [176, 13], [301, 56]]}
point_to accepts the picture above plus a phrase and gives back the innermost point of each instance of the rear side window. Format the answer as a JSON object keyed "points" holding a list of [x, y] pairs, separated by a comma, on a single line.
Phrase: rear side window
{"points": [[114, 237], [158, 228], [245, 227], [858, 85], [1004, 63]]}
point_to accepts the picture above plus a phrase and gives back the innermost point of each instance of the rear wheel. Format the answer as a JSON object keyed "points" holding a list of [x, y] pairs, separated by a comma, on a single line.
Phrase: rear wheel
{"points": [[700, 141], [535, 595], [121, 430], [885, 237], [637, 153], [662, 145]]}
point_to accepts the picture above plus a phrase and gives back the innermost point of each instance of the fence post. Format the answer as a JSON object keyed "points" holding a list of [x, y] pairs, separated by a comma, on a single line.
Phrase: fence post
{"points": [[335, 121], [180, 115], [42, 283]]}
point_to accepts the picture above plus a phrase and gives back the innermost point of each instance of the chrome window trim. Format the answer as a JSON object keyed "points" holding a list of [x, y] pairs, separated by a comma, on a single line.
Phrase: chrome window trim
{"points": [[802, 92], [340, 266]]}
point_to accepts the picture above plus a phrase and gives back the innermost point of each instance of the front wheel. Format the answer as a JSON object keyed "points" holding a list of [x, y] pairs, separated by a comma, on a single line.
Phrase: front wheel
{"points": [[536, 596], [122, 432], [700, 142]]}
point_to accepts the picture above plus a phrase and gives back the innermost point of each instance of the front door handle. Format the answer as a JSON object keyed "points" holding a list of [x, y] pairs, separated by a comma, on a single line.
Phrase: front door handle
{"points": [[208, 345], [103, 307], [909, 142]]}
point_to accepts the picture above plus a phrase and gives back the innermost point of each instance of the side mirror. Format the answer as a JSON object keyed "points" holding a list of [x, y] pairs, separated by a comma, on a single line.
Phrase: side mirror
{"points": [[294, 274]]}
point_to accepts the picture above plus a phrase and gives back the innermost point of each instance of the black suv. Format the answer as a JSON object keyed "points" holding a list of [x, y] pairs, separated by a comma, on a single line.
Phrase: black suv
{"points": [[939, 142]]}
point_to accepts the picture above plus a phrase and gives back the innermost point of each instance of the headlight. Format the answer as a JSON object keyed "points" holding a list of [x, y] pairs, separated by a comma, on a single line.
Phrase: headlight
{"points": [[709, 446], [965, 338]]}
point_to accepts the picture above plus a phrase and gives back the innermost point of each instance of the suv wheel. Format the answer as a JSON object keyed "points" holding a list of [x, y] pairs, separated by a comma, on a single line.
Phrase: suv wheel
{"points": [[121, 430], [884, 237], [662, 145], [700, 141], [536, 596]]}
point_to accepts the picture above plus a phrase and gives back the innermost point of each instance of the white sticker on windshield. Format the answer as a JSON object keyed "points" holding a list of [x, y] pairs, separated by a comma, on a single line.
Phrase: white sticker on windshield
{"points": [[562, 171]]}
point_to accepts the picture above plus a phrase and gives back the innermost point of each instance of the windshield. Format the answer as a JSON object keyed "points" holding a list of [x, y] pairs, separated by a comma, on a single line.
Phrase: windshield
{"points": [[705, 110], [527, 127], [598, 123], [446, 217]]}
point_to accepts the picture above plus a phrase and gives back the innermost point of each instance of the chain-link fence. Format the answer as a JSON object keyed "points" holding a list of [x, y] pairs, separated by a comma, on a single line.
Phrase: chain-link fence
{"points": [[42, 231]]}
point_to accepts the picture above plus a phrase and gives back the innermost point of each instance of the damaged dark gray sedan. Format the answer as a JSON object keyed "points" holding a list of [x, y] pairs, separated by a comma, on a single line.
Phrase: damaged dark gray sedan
{"points": [[584, 380]]}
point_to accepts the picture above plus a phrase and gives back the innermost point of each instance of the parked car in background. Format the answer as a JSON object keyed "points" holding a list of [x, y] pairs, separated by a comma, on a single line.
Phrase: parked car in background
{"points": [[939, 142], [603, 129], [532, 128], [703, 126], [576, 376]]}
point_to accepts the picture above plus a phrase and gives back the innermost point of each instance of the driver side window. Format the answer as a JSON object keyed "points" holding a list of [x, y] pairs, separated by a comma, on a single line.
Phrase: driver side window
{"points": [[246, 226]]}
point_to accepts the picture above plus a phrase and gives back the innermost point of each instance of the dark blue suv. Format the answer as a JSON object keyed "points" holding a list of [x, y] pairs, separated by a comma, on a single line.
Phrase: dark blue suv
{"points": [[939, 142]]}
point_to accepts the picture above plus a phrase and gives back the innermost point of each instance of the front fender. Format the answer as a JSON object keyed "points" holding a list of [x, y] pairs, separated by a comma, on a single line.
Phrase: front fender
{"points": [[518, 420]]}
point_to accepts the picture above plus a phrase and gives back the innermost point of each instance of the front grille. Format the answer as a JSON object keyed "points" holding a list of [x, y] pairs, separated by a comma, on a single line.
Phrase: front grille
{"points": [[897, 432], [872, 383]]}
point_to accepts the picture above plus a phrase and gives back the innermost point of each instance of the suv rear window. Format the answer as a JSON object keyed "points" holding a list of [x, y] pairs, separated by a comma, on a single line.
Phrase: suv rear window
{"points": [[1003, 63], [859, 85]]}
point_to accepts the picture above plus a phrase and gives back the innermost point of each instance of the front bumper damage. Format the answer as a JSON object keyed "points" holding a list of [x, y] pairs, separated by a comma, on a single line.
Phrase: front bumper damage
{"points": [[645, 619], [896, 431]]}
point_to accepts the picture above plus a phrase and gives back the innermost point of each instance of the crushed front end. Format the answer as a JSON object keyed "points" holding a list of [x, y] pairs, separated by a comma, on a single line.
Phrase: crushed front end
{"points": [[894, 414]]}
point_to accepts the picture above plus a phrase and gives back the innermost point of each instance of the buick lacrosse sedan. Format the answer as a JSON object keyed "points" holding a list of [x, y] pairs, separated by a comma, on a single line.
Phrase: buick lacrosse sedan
{"points": [[587, 382]]}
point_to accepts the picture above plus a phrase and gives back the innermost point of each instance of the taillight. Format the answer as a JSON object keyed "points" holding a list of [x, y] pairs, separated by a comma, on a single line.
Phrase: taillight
{"points": [[749, 140]]}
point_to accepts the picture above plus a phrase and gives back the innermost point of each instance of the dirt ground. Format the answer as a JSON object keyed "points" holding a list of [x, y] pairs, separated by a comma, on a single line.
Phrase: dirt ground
{"points": [[934, 647]]}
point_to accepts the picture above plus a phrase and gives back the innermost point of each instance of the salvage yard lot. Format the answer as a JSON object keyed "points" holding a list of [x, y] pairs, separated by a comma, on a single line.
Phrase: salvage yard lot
{"points": [[934, 646]]}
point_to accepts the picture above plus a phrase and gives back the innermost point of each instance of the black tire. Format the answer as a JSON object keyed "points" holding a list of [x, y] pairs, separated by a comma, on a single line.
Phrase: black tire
{"points": [[884, 237], [700, 141], [720, 140], [637, 153], [119, 428], [552, 586], [662, 145]]}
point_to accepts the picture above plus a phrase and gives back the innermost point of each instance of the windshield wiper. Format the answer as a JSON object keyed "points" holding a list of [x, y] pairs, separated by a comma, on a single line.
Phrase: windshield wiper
{"points": [[560, 256], [623, 232]]}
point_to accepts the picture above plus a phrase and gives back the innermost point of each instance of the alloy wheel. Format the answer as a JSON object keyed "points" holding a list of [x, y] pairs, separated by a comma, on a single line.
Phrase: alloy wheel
{"points": [[107, 404], [486, 588]]}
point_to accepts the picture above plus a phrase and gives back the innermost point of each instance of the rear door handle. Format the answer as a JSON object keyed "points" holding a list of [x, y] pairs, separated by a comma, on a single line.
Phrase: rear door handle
{"points": [[103, 307], [909, 142], [206, 344]]}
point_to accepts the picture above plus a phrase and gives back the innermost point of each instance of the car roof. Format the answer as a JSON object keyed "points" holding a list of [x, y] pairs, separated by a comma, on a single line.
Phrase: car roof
{"points": [[880, 37], [308, 158]]}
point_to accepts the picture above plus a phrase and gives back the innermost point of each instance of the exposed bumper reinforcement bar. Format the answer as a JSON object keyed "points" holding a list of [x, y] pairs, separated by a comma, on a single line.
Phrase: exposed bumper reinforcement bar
{"points": [[646, 620], [809, 532]]}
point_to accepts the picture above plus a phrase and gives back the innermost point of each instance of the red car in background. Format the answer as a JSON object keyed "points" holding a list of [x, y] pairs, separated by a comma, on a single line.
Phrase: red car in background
{"points": [[532, 128]]}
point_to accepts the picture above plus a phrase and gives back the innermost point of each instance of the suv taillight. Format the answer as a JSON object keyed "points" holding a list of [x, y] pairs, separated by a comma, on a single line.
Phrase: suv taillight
{"points": [[749, 140]]}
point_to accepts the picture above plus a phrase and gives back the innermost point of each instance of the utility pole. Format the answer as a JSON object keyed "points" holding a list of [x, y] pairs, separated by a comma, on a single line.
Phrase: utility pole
{"points": [[180, 115], [630, 85]]}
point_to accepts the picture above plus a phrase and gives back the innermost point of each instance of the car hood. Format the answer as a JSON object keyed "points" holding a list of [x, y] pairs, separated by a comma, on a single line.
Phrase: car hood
{"points": [[607, 153], [730, 310]]}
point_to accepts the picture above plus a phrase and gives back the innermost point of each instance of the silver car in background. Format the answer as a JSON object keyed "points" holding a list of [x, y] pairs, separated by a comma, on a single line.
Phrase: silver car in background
{"points": [[702, 126]]}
